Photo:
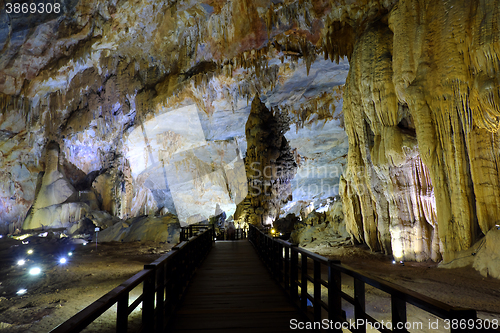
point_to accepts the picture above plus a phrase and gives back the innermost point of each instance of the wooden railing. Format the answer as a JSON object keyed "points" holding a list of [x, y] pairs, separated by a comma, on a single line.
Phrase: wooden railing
{"points": [[164, 282], [193, 229], [239, 234], [291, 266]]}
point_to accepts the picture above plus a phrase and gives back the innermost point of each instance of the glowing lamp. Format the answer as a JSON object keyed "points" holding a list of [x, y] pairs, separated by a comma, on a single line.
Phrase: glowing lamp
{"points": [[84, 243], [70, 254], [273, 231], [21, 291], [35, 271], [394, 262], [62, 260], [21, 262], [30, 251]]}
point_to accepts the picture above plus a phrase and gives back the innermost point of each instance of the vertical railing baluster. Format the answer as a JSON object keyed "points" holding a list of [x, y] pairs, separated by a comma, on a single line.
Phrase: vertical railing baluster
{"points": [[317, 291], [294, 274], [277, 260], [160, 297], [398, 309], [464, 316], [359, 305], [303, 282], [334, 294], [280, 262], [287, 268], [122, 314], [148, 306]]}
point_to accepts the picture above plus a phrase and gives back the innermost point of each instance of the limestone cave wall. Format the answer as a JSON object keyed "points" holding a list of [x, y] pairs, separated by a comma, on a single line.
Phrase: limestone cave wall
{"points": [[113, 82], [98, 76], [422, 110]]}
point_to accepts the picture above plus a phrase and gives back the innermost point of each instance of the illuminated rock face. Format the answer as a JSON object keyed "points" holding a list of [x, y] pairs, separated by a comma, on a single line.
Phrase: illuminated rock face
{"points": [[270, 167], [57, 203], [97, 75], [421, 111], [420, 107]]}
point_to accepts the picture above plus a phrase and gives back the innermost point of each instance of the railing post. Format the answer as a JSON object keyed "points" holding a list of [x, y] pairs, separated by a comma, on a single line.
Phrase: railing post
{"points": [[148, 306], [334, 294], [463, 316], [276, 263], [294, 274], [398, 309], [280, 262], [359, 304], [317, 291], [303, 282], [122, 314], [160, 298], [287, 268]]}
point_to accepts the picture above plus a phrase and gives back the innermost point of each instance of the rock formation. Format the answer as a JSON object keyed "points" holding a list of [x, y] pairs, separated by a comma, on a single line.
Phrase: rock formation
{"points": [[57, 203], [421, 114], [115, 83], [269, 165]]}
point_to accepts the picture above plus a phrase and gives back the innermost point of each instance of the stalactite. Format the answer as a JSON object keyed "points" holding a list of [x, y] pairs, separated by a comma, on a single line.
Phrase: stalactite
{"points": [[407, 109]]}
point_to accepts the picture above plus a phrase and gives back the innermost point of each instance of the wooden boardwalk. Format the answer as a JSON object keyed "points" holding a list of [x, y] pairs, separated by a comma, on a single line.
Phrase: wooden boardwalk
{"points": [[233, 292]]}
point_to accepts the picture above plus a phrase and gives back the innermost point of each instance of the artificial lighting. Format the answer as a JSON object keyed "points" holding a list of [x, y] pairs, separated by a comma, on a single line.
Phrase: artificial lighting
{"points": [[84, 243], [273, 231], [21, 262], [30, 251], [1, 236], [22, 237], [70, 254], [21, 291], [394, 262], [62, 260], [26, 242], [35, 271]]}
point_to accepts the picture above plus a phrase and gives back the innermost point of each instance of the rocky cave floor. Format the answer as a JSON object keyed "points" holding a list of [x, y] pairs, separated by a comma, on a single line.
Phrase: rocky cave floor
{"points": [[60, 291]]}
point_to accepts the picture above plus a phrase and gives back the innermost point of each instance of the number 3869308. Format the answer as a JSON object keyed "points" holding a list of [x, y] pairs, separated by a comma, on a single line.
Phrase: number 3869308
{"points": [[33, 8]]}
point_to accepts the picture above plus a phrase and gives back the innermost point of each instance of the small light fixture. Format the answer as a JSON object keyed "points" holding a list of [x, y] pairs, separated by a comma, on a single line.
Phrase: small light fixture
{"points": [[21, 291], [394, 262], [1, 236], [62, 260], [84, 243], [26, 242], [21, 262], [35, 271], [70, 254], [30, 251]]}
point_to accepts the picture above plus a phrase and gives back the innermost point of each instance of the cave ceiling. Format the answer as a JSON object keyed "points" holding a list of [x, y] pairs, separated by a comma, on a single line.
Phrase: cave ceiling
{"points": [[124, 86]]}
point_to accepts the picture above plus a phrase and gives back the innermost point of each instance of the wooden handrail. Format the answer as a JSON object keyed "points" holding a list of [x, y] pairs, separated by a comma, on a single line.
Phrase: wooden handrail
{"points": [[165, 278], [282, 260]]}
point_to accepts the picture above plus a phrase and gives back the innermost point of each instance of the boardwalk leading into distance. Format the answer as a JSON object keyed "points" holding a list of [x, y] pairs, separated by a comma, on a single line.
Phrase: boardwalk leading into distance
{"points": [[233, 292]]}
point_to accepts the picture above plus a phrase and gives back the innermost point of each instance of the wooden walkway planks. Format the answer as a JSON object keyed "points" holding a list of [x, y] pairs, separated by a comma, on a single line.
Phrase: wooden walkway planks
{"points": [[233, 292]]}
